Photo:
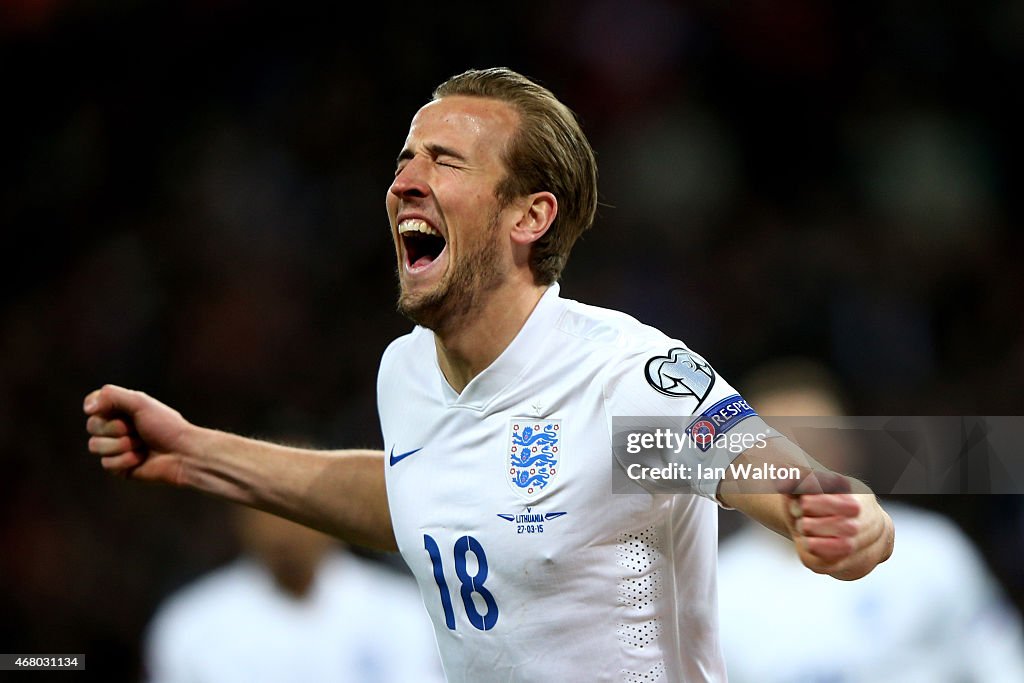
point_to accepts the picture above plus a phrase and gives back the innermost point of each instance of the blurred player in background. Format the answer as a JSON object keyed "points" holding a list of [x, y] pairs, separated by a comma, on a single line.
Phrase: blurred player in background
{"points": [[496, 413], [933, 613], [294, 606]]}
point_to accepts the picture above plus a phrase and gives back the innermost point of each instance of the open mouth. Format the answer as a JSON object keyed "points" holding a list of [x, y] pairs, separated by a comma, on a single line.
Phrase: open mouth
{"points": [[422, 242]]}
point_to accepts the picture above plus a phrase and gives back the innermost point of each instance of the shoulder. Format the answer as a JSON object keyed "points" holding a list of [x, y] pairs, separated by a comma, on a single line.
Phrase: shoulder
{"points": [[400, 346], [202, 601], [605, 328], [928, 537], [609, 339], [643, 370], [641, 360], [224, 584], [404, 355]]}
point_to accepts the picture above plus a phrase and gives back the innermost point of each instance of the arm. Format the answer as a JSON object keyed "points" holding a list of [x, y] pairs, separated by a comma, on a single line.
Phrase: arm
{"points": [[835, 522], [339, 492]]}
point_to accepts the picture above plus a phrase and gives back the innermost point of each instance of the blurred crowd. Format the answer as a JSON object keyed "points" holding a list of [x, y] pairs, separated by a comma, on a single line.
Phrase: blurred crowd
{"points": [[192, 202]]}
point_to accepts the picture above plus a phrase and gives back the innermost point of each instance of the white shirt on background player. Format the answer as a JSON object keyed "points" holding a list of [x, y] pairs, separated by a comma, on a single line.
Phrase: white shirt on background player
{"points": [[933, 613], [556, 580], [359, 622]]}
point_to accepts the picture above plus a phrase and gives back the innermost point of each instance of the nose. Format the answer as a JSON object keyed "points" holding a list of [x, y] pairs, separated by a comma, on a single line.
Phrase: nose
{"points": [[411, 181]]}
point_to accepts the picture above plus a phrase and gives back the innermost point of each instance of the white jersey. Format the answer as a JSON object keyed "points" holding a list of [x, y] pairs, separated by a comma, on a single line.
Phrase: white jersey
{"points": [[502, 505], [932, 613], [359, 622]]}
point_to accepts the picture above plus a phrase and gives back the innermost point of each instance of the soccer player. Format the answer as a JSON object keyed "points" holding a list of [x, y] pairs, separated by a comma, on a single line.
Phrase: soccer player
{"points": [[295, 605], [497, 412], [934, 613]]}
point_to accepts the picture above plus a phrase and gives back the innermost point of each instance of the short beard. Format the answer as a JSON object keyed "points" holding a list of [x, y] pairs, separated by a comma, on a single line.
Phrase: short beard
{"points": [[462, 292]]}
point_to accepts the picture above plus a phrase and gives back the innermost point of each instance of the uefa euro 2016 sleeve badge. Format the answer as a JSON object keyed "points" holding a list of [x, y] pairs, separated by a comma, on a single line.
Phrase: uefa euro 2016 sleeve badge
{"points": [[532, 455], [682, 373]]}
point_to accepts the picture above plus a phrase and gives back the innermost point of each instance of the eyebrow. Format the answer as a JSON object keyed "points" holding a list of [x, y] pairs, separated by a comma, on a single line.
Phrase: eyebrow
{"points": [[434, 150]]}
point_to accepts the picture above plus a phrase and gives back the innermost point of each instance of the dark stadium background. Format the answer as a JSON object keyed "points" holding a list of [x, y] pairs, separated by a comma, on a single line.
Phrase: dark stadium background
{"points": [[192, 204]]}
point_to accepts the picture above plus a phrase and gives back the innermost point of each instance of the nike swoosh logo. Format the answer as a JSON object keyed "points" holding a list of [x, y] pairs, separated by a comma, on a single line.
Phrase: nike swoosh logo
{"points": [[396, 458]]}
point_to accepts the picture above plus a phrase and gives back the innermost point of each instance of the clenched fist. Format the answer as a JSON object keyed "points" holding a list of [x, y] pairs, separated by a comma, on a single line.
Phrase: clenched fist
{"points": [[135, 435]]}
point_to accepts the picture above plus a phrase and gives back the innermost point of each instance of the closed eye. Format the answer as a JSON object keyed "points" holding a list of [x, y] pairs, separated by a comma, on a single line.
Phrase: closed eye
{"points": [[451, 158], [436, 152]]}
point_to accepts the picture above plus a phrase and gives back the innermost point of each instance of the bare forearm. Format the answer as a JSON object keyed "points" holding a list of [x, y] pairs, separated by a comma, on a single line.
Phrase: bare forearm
{"points": [[339, 492], [835, 522], [765, 508], [760, 499]]}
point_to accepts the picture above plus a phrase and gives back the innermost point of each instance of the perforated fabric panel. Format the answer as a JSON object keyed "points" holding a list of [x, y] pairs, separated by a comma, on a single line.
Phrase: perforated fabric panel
{"points": [[653, 676], [640, 586]]}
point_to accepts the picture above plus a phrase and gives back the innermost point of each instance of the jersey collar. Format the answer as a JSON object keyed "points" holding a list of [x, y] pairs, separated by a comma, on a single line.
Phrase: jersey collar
{"points": [[514, 360]]}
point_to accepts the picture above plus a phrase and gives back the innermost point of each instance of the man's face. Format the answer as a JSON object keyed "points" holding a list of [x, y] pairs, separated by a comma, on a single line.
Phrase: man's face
{"points": [[445, 218]]}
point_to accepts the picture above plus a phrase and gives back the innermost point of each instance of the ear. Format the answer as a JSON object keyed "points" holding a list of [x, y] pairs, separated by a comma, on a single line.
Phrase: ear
{"points": [[538, 213]]}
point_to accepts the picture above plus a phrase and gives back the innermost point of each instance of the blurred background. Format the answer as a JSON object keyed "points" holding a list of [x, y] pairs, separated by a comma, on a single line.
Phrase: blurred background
{"points": [[192, 204]]}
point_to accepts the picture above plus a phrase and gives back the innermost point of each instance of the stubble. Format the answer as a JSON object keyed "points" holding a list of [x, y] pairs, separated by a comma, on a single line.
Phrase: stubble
{"points": [[463, 290]]}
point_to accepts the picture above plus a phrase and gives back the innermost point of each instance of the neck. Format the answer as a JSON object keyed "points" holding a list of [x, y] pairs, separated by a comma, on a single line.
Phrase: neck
{"points": [[294, 581], [466, 348]]}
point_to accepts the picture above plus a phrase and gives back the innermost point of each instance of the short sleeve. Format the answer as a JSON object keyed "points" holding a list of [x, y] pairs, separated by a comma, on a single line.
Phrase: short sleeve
{"points": [[676, 424]]}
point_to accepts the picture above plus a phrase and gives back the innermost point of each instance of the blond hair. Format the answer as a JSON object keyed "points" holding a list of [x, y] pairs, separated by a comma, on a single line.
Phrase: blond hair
{"points": [[549, 152]]}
